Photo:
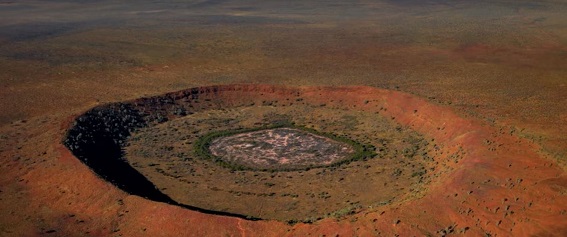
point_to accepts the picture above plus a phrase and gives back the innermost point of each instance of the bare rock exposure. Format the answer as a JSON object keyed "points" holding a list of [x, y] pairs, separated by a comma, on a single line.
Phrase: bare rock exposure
{"points": [[279, 147]]}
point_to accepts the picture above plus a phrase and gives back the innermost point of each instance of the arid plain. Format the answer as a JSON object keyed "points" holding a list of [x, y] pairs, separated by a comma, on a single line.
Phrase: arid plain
{"points": [[484, 80]]}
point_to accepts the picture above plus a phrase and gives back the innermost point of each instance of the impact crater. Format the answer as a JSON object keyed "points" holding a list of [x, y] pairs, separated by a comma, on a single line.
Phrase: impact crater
{"points": [[293, 154]]}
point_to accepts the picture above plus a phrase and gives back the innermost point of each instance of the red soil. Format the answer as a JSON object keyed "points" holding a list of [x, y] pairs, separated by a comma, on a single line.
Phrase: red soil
{"points": [[502, 185]]}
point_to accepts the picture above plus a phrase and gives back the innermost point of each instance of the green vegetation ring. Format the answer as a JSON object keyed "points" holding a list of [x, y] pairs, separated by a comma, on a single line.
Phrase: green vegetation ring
{"points": [[282, 147]]}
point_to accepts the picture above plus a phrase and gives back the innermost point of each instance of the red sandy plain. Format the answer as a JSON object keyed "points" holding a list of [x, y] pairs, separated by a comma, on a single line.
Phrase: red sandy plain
{"points": [[488, 77]]}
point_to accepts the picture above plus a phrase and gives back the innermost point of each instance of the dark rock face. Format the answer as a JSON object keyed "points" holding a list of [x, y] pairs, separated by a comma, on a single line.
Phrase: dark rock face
{"points": [[98, 136], [97, 139]]}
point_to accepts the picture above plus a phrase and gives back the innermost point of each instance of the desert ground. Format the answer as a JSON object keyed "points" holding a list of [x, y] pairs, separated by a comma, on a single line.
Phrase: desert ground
{"points": [[484, 83]]}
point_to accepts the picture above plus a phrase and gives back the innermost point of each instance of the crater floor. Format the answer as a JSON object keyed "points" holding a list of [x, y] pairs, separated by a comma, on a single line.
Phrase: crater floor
{"points": [[166, 155], [279, 148]]}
